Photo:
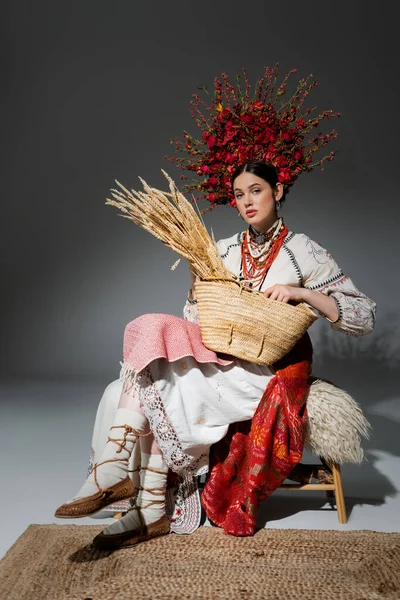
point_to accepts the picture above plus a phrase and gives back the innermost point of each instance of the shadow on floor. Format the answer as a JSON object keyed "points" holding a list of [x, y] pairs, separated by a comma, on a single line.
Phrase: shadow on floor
{"points": [[286, 505]]}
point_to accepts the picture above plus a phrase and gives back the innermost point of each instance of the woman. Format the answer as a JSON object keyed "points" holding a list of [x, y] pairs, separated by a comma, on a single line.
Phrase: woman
{"points": [[177, 407]]}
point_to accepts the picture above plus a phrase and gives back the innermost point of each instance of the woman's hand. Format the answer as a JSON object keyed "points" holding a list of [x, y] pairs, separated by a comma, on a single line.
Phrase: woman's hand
{"points": [[285, 293], [288, 293]]}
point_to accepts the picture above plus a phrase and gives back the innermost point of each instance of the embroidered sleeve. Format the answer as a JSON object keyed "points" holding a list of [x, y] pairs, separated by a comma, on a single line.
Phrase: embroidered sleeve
{"points": [[190, 312], [322, 274]]}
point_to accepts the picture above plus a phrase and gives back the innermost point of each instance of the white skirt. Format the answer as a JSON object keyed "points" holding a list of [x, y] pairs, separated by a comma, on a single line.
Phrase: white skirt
{"points": [[190, 405]]}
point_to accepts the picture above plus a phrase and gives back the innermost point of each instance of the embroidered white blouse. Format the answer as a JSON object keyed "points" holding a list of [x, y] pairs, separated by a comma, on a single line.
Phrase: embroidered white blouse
{"points": [[301, 262]]}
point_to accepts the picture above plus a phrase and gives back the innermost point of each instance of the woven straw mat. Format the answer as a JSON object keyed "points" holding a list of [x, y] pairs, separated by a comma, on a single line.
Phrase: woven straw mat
{"points": [[58, 562]]}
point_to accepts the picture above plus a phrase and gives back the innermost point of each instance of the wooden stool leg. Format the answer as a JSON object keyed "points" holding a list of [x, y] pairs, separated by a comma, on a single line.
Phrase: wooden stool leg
{"points": [[340, 505]]}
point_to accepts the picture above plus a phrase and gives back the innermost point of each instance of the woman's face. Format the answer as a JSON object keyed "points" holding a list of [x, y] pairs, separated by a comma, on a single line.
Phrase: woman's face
{"points": [[256, 200]]}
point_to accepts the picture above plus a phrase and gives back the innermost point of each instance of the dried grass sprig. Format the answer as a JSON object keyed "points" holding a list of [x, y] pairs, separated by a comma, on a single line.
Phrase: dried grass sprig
{"points": [[173, 220]]}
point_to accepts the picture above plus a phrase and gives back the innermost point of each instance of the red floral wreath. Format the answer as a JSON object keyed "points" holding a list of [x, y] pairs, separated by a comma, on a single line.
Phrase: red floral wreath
{"points": [[237, 129]]}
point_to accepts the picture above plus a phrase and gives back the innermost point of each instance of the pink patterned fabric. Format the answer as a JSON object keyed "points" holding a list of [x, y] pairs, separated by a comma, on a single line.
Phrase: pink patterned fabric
{"points": [[157, 335]]}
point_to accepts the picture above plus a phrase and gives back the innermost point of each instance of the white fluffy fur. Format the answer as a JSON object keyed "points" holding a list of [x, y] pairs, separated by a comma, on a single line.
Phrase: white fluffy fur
{"points": [[335, 424]]}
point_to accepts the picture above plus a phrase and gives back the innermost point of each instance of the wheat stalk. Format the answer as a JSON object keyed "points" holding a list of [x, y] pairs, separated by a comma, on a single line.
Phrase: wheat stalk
{"points": [[172, 219]]}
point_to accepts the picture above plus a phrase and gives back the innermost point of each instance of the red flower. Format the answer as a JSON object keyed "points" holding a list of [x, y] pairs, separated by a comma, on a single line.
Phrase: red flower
{"points": [[268, 119], [230, 134], [224, 113], [211, 197], [301, 123], [227, 183], [211, 141], [205, 169], [269, 156], [285, 176], [298, 155], [280, 161], [213, 180]]}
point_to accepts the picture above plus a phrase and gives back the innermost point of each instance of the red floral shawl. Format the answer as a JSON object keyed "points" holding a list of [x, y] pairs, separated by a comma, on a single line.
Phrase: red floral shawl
{"points": [[256, 456]]}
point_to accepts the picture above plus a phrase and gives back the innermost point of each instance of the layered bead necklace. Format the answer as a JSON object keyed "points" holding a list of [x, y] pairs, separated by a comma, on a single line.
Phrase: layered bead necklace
{"points": [[259, 250]]}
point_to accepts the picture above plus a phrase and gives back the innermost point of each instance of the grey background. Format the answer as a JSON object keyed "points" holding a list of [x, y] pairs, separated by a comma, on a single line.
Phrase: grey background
{"points": [[94, 91]]}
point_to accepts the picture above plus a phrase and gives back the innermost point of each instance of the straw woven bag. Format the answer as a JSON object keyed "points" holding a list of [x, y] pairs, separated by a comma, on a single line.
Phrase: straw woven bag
{"points": [[244, 323]]}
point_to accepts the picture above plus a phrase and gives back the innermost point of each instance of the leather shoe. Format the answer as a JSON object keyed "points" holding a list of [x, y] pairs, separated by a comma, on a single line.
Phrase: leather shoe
{"points": [[142, 533], [84, 507]]}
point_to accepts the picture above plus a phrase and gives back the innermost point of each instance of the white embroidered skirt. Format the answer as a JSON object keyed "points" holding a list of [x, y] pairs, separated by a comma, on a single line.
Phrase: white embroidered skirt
{"points": [[190, 405]]}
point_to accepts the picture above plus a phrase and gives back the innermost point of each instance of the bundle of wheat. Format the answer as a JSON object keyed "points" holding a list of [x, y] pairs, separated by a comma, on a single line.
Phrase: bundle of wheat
{"points": [[173, 220]]}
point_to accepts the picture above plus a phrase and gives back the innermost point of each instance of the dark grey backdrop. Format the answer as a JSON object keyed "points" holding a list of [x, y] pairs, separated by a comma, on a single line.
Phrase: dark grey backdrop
{"points": [[95, 90]]}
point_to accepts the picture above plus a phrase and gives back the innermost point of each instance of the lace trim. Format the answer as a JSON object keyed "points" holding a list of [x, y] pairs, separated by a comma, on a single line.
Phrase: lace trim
{"points": [[182, 504], [165, 435]]}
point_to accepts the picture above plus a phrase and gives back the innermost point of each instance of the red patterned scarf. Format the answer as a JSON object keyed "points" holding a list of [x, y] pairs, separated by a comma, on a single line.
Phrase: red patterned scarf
{"points": [[256, 456]]}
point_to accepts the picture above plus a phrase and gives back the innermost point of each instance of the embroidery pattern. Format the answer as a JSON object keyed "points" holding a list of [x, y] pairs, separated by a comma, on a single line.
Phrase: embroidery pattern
{"points": [[294, 262], [91, 462], [338, 279], [340, 311], [358, 316], [356, 310], [289, 236], [238, 243], [183, 506], [320, 255], [163, 431], [219, 388]]}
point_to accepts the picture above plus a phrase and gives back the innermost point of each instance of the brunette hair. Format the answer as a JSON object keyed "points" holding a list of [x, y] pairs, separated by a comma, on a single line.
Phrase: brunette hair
{"points": [[261, 169]]}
